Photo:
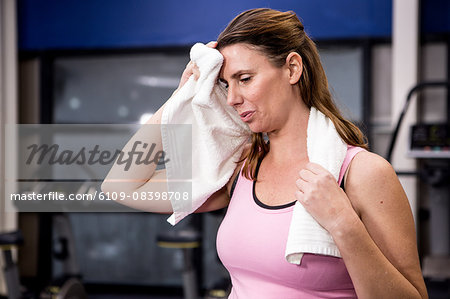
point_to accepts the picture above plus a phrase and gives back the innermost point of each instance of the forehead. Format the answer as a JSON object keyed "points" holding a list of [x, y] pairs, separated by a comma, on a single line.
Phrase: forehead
{"points": [[241, 56]]}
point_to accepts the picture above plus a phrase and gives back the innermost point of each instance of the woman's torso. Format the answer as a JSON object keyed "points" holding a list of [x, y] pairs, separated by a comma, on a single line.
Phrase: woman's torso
{"points": [[251, 244]]}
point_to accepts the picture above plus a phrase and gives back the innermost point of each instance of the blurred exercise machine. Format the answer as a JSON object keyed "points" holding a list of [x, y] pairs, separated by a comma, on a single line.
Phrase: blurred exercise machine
{"points": [[186, 240], [430, 145], [64, 287]]}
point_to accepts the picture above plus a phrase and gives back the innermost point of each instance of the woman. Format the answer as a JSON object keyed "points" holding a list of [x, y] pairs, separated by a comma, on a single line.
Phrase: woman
{"points": [[273, 75]]}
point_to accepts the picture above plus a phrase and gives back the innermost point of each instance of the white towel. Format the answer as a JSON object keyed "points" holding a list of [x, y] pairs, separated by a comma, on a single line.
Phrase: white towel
{"points": [[326, 148], [218, 135]]}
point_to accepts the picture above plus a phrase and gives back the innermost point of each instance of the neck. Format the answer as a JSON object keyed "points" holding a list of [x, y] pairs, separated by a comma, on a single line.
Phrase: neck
{"points": [[288, 144]]}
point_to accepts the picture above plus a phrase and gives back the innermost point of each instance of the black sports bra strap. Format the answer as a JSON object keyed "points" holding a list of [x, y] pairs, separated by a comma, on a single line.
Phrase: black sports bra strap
{"points": [[342, 182], [234, 184]]}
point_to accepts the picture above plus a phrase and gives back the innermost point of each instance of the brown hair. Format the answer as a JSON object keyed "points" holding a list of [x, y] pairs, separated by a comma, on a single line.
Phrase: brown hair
{"points": [[276, 34]]}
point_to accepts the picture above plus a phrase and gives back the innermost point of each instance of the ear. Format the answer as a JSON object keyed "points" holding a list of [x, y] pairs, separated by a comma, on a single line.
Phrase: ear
{"points": [[295, 65]]}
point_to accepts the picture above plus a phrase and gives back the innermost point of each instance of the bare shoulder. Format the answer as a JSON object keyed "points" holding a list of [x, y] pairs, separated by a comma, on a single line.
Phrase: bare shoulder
{"points": [[371, 181], [367, 165]]}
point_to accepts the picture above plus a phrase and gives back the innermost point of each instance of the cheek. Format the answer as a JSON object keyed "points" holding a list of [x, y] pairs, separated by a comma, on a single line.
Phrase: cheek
{"points": [[263, 92], [271, 94], [254, 95]]}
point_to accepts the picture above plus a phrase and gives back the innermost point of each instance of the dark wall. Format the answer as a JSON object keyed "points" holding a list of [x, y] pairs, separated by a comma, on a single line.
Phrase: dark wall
{"points": [[435, 16], [73, 24], [81, 24]]}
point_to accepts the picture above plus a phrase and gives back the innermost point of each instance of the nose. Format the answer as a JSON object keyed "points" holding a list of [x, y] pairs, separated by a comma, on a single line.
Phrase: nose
{"points": [[233, 96]]}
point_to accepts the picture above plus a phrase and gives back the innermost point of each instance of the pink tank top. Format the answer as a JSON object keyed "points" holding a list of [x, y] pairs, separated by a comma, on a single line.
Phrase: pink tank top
{"points": [[251, 244]]}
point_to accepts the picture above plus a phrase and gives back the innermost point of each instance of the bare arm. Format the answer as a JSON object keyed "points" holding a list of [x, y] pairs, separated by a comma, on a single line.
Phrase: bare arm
{"points": [[141, 178], [371, 224], [384, 241]]}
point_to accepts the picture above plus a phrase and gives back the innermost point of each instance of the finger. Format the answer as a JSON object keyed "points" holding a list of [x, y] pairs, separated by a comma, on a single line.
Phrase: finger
{"points": [[191, 69], [187, 73], [212, 44], [301, 184], [195, 72], [315, 168], [320, 172], [190, 66], [188, 69], [306, 175], [300, 197]]}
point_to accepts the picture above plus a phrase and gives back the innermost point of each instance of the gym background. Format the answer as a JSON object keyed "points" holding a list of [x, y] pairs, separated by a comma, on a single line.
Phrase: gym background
{"points": [[112, 61]]}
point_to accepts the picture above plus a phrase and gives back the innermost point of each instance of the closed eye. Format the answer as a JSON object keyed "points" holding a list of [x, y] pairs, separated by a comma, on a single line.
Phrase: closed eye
{"points": [[245, 80]]}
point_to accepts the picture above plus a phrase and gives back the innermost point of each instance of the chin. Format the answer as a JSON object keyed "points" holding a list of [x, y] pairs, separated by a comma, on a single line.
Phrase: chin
{"points": [[256, 129]]}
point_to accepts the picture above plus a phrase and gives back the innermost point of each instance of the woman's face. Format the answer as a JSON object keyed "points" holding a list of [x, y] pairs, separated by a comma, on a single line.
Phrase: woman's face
{"points": [[259, 91]]}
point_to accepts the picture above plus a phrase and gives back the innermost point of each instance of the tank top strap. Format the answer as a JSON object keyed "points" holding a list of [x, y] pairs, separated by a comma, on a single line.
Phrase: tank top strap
{"points": [[237, 179], [351, 153]]}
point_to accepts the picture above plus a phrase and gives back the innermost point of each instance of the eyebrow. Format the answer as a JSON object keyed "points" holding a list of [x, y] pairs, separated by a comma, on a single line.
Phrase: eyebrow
{"points": [[237, 74]]}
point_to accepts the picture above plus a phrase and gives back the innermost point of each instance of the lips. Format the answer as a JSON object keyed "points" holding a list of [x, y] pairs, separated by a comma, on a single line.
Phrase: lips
{"points": [[245, 116]]}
